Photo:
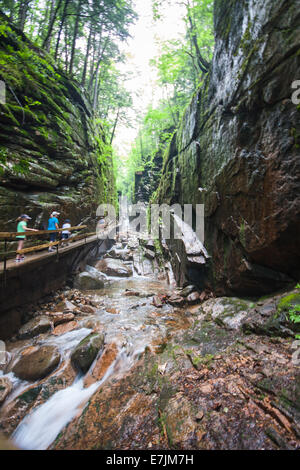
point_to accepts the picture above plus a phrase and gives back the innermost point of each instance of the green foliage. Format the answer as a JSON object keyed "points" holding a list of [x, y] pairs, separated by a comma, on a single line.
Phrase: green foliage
{"points": [[11, 164], [294, 308], [179, 77]]}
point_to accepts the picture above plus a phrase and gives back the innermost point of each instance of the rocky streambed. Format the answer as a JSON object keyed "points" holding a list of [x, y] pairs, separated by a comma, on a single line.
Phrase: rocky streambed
{"points": [[125, 360]]}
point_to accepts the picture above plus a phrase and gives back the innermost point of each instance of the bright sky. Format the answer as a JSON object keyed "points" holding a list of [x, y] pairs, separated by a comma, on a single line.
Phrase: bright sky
{"points": [[144, 45]]}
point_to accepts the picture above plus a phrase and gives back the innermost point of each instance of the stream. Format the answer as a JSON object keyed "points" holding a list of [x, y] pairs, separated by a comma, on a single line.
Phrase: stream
{"points": [[168, 371], [129, 322]]}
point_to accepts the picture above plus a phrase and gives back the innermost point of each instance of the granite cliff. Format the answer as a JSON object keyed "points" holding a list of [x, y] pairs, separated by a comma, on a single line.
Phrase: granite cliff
{"points": [[52, 148], [237, 152]]}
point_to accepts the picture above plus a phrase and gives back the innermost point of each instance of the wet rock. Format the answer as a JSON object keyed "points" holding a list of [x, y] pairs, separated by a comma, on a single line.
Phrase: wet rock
{"points": [[112, 310], [193, 298], [176, 300], [86, 351], [37, 364], [267, 310], [35, 327], [113, 267], [88, 281], [157, 302], [148, 253], [87, 309], [130, 293], [187, 290], [180, 424], [65, 328], [5, 388], [106, 359], [91, 324], [270, 326], [58, 317], [6, 444], [124, 255], [226, 311], [64, 306]]}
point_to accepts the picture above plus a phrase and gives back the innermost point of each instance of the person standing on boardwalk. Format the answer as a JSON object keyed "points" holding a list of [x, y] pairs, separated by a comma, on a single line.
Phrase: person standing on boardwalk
{"points": [[22, 227], [65, 234], [53, 224]]}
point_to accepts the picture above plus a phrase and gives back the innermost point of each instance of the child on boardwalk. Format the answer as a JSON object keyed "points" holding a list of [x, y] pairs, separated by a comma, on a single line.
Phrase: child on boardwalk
{"points": [[65, 234], [22, 227], [53, 225]]}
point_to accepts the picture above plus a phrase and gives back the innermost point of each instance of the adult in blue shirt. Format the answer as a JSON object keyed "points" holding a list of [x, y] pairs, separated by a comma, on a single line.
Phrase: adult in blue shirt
{"points": [[53, 224]]}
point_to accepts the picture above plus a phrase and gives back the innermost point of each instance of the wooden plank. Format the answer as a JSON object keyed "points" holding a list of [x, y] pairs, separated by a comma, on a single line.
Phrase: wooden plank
{"points": [[7, 255], [10, 235], [37, 247]]}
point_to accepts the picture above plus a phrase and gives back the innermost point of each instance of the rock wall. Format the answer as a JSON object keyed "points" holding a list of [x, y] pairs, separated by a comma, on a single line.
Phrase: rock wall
{"points": [[237, 149], [48, 129], [147, 180]]}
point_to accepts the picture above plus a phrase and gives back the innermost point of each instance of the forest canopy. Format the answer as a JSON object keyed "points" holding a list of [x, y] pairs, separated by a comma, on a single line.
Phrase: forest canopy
{"points": [[84, 38]]}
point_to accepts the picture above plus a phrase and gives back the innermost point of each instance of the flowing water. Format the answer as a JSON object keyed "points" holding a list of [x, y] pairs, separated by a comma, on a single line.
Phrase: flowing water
{"points": [[132, 323]]}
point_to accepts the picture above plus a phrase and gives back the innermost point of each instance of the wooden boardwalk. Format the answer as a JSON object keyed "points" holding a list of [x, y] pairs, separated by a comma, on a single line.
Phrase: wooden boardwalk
{"points": [[32, 257]]}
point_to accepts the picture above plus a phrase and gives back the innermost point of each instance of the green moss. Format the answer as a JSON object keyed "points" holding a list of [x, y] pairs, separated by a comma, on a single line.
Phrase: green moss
{"points": [[30, 395], [288, 301]]}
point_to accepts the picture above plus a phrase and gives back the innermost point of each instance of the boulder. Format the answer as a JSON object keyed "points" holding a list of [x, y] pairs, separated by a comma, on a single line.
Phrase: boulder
{"points": [[35, 327], [226, 311], [86, 351], [5, 388], [193, 298], [58, 317], [87, 281], [176, 300], [187, 290], [65, 328], [114, 267], [65, 306], [86, 309], [37, 364]]}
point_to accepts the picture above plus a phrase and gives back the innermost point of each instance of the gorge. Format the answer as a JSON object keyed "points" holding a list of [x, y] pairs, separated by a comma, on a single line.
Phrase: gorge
{"points": [[147, 344]]}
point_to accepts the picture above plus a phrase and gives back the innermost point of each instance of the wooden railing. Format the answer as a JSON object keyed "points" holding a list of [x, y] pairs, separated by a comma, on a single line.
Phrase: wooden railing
{"points": [[12, 236]]}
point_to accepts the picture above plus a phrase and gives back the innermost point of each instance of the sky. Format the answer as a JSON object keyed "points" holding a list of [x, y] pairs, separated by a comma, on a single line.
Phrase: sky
{"points": [[139, 50]]}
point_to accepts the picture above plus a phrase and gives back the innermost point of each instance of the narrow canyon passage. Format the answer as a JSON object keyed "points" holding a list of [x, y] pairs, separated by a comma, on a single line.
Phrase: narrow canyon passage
{"points": [[180, 118], [138, 363]]}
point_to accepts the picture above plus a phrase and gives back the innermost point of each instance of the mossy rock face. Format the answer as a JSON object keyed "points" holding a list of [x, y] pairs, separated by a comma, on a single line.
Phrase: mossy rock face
{"points": [[53, 133], [289, 301], [270, 316], [86, 351], [236, 146]]}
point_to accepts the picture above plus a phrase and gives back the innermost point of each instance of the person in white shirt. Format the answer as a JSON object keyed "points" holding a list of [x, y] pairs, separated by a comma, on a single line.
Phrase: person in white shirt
{"points": [[65, 234]]}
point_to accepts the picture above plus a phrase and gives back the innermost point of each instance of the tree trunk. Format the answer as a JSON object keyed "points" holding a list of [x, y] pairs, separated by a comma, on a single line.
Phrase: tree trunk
{"points": [[75, 36], [97, 74], [53, 16], [87, 56], [23, 8], [61, 26], [202, 63], [115, 125]]}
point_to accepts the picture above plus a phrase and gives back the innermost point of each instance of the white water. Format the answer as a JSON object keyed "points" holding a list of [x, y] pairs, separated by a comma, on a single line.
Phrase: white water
{"points": [[131, 329], [39, 429]]}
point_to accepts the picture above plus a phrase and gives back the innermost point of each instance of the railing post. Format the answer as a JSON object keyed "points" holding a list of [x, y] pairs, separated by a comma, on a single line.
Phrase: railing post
{"points": [[4, 263]]}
